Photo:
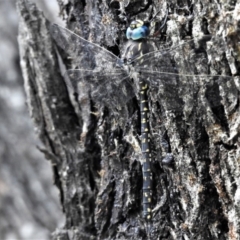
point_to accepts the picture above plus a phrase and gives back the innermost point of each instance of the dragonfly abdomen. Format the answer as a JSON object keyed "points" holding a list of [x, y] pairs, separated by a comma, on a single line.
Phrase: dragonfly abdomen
{"points": [[146, 153]]}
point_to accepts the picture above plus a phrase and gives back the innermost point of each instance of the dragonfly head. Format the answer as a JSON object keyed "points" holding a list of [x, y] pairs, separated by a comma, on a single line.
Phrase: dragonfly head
{"points": [[138, 30]]}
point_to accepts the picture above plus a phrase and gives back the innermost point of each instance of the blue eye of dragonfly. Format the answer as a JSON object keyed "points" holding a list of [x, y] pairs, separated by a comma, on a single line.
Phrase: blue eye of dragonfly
{"points": [[137, 30]]}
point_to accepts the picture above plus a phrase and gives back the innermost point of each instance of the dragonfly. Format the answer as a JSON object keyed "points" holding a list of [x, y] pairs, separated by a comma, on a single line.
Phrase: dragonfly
{"points": [[114, 81]]}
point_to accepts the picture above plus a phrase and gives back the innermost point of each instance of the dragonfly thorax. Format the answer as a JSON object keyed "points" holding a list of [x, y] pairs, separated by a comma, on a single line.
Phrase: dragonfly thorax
{"points": [[134, 51]]}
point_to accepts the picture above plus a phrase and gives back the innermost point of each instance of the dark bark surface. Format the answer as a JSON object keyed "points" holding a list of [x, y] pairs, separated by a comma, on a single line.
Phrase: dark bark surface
{"points": [[96, 166]]}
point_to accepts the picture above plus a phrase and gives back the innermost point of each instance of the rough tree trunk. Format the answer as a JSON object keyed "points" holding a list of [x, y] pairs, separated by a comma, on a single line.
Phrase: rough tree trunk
{"points": [[29, 206], [98, 171]]}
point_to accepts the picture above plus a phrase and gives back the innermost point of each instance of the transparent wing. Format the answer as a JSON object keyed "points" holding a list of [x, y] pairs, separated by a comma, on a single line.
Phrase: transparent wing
{"points": [[180, 74], [113, 89], [181, 53], [178, 90], [86, 55], [107, 82]]}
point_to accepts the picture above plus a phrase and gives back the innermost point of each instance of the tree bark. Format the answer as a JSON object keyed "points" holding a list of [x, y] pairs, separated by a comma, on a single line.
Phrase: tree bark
{"points": [[96, 167], [29, 206]]}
